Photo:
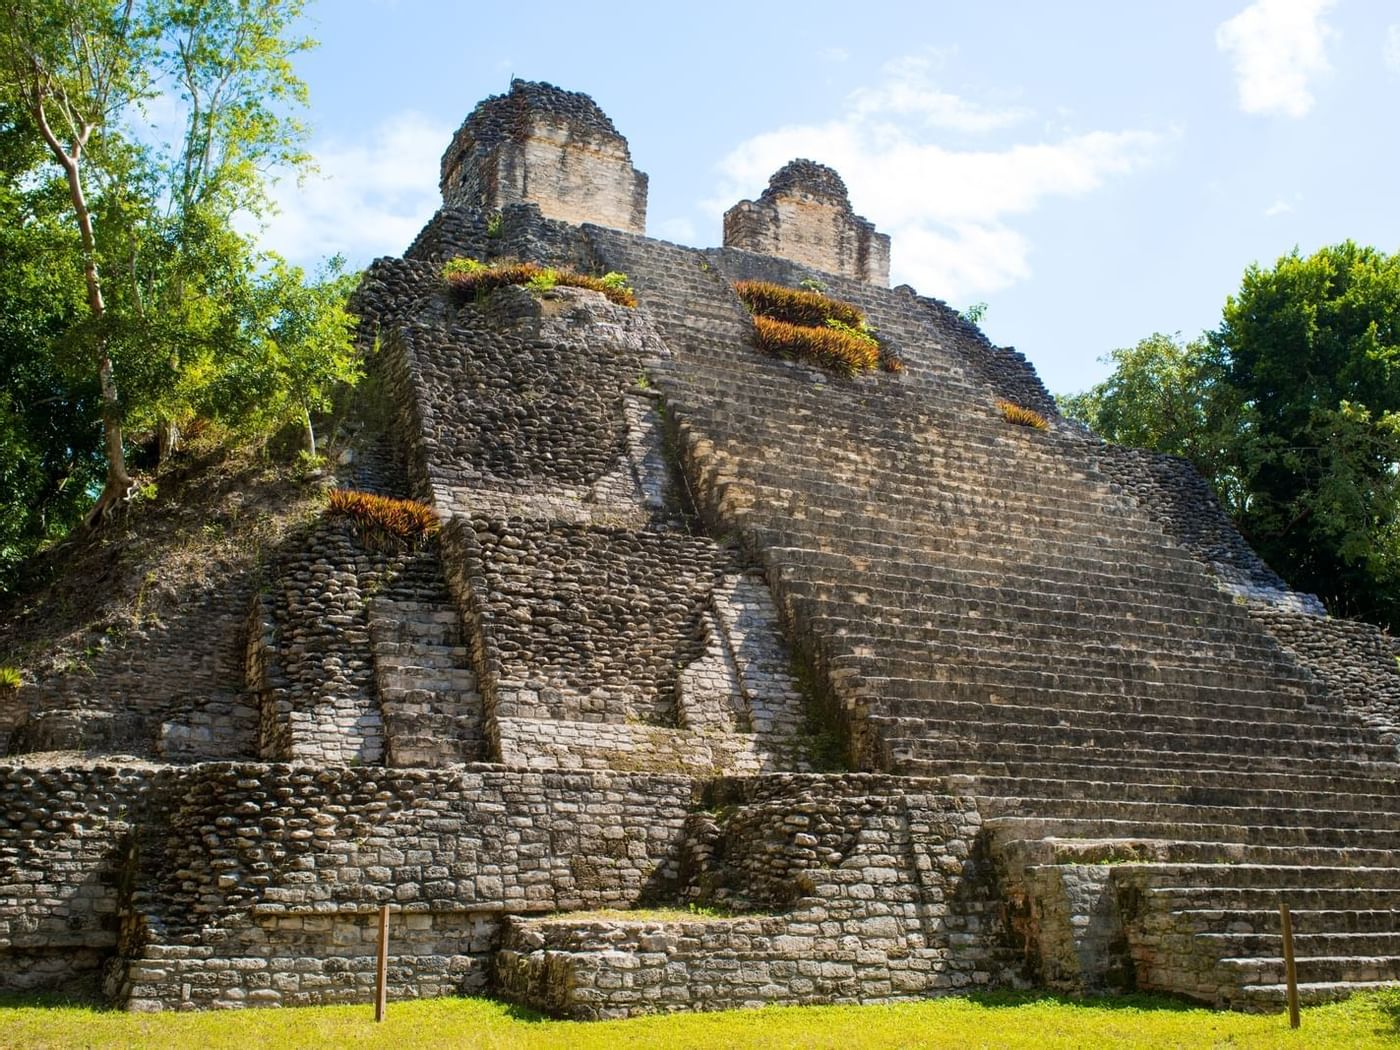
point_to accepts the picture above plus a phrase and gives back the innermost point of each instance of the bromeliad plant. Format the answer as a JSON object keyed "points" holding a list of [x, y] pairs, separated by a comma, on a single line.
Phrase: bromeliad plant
{"points": [[382, 523], [1022, 416], [475, 278], [805, 324]]}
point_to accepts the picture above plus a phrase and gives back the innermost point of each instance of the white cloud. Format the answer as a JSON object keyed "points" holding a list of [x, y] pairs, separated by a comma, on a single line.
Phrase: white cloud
{"points": [[368, 198], [834, 54], [1276, 48], [1392, 49], [908, 91], [1279, 207], [947, 209]]}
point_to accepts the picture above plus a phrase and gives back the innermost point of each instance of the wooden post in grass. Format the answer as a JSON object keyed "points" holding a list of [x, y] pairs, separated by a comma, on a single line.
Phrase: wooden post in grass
{"points": [[1290, 967], [381, 975]]}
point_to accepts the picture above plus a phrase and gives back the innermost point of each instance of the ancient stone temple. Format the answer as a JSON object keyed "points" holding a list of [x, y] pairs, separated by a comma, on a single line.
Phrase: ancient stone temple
{"points": [[912, 700]]}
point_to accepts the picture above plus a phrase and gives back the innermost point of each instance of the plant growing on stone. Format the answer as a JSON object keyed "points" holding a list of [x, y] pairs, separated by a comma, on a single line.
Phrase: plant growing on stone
{"points": [[829, 347], [807, 325], [796, 306], [475, 278], [10, 679], [493, 225], [1022, 416], [383, 523]]}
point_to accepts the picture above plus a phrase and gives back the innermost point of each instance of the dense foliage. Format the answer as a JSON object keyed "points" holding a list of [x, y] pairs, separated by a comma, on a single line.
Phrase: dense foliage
{"points": [[1292, 410], [133, 301]]}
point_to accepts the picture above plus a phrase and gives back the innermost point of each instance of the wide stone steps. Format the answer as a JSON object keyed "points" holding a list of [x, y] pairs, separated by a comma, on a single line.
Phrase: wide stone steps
{"points": [[843, 570], [1221, 793], [1262, 946], [946, 713], [1066, 778], [899, 734], [1032, 822]]}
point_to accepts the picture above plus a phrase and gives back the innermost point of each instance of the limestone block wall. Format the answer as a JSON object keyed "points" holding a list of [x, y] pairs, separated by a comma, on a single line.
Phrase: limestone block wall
{"points": [[65, 839], [805, 215], [258, 884], [893, 913], [549, 147]]}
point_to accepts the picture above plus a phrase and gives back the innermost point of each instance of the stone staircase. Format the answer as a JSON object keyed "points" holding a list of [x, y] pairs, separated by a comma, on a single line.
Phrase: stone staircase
{"points": [[988, 608], [427, 690]]}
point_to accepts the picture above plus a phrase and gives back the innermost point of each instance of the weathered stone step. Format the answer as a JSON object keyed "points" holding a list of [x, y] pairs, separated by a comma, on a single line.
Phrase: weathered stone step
{"points": [[985, 686], [1184, 778], [1221, 793], [1017, 752], [1163, 813], [1272, 996], [1265, 945], [1224, 924], [1061, 711], [1091, 825], [902, 737], [1327, 969]]}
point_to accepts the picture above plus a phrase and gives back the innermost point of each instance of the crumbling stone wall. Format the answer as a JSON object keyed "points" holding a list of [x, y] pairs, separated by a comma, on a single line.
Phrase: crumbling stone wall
{"points": [[550, 147], [65, 847], [886, 914], [805, 215]]}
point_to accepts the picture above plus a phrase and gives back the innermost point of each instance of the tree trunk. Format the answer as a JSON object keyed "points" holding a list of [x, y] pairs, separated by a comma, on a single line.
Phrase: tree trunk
{"points": [[309, 437], [118, 485], [167, 440]]}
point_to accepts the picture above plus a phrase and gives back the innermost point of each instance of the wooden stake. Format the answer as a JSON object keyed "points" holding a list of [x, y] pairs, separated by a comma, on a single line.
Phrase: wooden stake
{"points": [[1290, 967], [381, 977]]}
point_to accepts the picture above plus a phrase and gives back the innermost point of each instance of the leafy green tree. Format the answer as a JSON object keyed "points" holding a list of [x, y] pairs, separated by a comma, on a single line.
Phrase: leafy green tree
{"points": [[1312, 346], [176, 301], [51, 457], [75, 66], [1292, 410], [298, 352], [1168, 395]]}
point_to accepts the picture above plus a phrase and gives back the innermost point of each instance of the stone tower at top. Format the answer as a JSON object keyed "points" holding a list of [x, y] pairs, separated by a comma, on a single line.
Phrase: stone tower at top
{"points": [[542, 145], [805, 215]]}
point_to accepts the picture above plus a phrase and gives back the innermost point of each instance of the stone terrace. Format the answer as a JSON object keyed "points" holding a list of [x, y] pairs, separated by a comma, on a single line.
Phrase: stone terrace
{"points": [[1090, 740]]}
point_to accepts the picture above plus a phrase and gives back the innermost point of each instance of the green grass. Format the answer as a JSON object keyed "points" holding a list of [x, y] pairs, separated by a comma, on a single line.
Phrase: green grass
{"points": [[982, 1021]]}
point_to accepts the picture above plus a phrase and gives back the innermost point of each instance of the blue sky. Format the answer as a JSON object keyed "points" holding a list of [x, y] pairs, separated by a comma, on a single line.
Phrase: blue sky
{"points": [[1093, 171]]}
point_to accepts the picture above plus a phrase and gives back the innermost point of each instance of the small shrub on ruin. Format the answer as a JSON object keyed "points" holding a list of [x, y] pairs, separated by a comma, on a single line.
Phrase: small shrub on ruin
{"points": [[807, 325], [1022, 416], [10, 679], [796, 306], [470, 277], [830, 347], [494, 222], [382, 523]]}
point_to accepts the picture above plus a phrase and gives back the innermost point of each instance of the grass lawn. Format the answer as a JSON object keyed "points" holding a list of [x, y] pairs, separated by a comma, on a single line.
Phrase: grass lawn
{"points": [[985, 1021]]}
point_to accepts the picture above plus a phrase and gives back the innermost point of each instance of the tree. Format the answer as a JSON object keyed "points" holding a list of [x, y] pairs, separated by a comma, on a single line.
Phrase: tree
{"points": [[1291, 409], [1168, 395], [76, 65], [50, 454], [1312, 346], [299, 350], [176, 295]]}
